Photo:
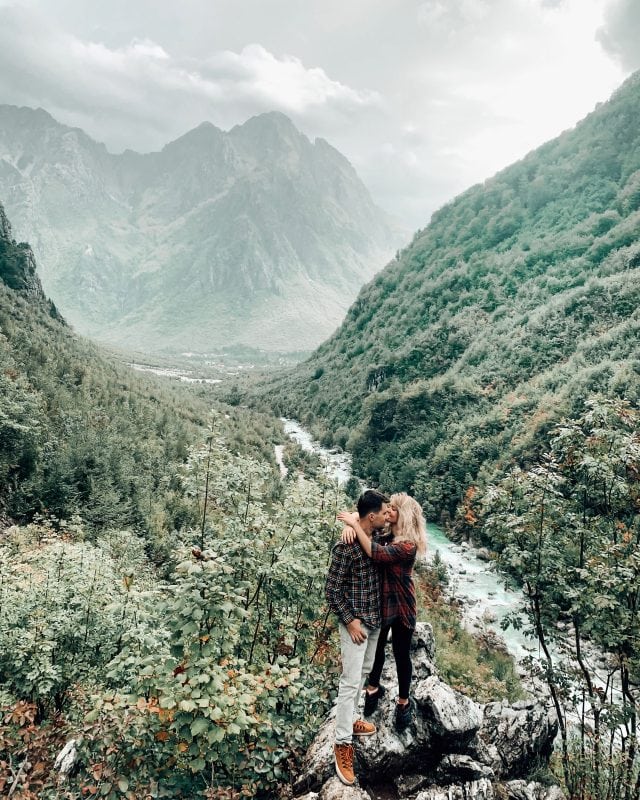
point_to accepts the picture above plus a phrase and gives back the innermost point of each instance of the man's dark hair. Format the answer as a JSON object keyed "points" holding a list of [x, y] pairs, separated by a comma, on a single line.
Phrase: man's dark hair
{"points": [[370, 501]]}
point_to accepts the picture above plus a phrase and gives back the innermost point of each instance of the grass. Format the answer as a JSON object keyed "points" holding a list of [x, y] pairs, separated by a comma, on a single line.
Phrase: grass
{"points": [[470, 663]]}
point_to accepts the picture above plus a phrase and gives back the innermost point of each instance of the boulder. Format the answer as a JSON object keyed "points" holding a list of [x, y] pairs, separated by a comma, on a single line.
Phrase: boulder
{"points": [[514, 739], [475, 790], [521, 790], [460, 768], [452, 717], [334, 790], [454, 748], [318, 765]]}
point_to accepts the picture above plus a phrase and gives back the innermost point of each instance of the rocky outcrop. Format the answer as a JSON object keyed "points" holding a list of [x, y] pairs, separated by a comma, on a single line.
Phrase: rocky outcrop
{"points": [[17, 264], [454, 748], [18, 268], [5, 226]]}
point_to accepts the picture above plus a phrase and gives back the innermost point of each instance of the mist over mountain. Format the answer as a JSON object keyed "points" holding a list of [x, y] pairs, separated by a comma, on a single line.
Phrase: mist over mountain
{"points": [[254, 237], [516, 303]]}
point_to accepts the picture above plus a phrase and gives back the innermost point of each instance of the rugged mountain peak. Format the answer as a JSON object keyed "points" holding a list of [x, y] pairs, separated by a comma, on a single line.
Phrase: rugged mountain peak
{"points": [[269, 134], [201, 138], [274, 121], [253, 237]]}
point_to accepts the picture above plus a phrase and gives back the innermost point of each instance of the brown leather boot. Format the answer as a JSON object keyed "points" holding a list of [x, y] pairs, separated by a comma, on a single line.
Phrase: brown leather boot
{"points": [[343, 754], [363, 728]]}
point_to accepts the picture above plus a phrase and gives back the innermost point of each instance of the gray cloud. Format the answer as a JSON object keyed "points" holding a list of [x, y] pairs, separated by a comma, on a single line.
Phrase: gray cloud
{"points": [[425, 97], [620, 35]]}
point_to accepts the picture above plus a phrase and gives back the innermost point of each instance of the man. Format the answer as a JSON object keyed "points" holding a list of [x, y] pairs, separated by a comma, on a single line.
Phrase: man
{"points": [[353, 593]]}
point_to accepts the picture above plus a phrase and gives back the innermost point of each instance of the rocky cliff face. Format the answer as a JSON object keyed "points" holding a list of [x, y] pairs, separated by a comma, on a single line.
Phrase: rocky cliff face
{"points": [[255, 236], [455, 748], [17, 263]]}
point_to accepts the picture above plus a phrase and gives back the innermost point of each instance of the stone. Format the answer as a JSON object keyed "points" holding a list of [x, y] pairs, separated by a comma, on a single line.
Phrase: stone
{"points": [[408, 785], [475, 790], [514, 740], [66, 759], [334, 790], [454, 748], [460, 768], [521, 790], [423, 649], [451, 715], [318, 765]]}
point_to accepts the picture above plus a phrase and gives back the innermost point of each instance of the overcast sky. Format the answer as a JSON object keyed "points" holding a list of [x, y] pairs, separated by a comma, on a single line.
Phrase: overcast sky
{"points": [[425, 97]]}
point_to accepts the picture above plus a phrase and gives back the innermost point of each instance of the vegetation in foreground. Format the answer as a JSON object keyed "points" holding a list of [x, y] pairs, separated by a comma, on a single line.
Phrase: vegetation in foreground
{"points": [[568, 529]]}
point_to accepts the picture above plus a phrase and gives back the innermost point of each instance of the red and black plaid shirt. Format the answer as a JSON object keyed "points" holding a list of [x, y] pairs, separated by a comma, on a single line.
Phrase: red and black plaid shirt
{"points": [[353, 585], [398, 592]]}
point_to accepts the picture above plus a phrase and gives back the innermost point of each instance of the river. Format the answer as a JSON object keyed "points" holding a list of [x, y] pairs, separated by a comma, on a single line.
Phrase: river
{"points": [[486, 601]]}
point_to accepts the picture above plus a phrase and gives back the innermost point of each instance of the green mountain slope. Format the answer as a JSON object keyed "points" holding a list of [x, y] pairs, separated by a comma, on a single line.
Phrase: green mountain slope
{"points": [[517, 300], [254, 237]]}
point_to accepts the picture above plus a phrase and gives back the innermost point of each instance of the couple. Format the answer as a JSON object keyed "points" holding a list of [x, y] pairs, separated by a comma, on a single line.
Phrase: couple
{"points": [[370, 588]]}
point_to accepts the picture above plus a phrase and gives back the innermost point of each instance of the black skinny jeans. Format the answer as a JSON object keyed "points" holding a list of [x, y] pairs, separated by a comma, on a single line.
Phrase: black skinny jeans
{"points": [[401, 644]]}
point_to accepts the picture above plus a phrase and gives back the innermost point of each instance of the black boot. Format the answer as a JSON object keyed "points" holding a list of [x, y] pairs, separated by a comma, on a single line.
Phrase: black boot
{"points": [[403, 716], [371, 700]]}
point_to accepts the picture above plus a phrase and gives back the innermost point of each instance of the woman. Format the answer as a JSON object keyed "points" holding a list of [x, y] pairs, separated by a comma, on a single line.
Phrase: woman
{"points": [[397, 556]]}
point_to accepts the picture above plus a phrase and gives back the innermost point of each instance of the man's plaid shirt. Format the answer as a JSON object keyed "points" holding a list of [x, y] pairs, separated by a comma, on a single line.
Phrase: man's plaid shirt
{"points": [[398, 592], [353, 585]]}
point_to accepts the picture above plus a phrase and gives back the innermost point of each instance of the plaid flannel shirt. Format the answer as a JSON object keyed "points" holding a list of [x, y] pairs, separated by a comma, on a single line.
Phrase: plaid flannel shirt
{"points": [[353, 585], [398, 591]]}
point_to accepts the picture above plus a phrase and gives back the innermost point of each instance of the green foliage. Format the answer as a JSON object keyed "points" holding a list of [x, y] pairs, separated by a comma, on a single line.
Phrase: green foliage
{"points": [[64, 605], [207, 682], [227, 694], [79, 434], [568, 529]]}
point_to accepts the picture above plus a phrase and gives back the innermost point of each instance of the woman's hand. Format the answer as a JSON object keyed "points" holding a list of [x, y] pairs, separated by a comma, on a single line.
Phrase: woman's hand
{"points": [[348, 517], [348, 536]]}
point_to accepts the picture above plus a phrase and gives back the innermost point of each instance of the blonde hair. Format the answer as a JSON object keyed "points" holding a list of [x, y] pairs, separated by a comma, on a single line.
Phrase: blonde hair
{"points": [[410, 526]]}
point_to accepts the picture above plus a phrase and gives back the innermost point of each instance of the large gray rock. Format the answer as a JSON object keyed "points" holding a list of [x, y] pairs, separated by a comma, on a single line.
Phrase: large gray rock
{"points": [[514, 740], [459, 768], [334, 790], [454, 748], [475, 790], [423, 649], [452, 717], [318, 764], [521, 790]]}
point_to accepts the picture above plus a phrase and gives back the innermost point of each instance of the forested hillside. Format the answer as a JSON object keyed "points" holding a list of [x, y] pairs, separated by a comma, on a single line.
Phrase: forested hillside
{"points": [[82, 434], [516, 302]]}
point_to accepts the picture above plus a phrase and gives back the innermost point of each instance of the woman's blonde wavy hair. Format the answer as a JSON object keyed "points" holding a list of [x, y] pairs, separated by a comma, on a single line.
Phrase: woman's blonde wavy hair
{"points": [[410, 526]]}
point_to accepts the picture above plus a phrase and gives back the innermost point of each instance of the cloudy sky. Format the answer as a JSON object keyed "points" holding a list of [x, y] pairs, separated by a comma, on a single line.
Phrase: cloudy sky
{"points": [[425, 97]]}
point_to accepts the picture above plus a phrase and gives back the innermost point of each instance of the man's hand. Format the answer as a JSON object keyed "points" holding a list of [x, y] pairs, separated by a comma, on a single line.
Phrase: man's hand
{"points": [[356, 632]]}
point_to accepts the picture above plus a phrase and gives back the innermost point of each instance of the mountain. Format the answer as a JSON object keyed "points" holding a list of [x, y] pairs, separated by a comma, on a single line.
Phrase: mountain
{"points": [[519, 300], [254, 237]]}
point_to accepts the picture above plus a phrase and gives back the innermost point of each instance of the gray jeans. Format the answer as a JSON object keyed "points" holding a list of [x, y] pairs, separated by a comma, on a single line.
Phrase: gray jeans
{"points": [[357, 660]]}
